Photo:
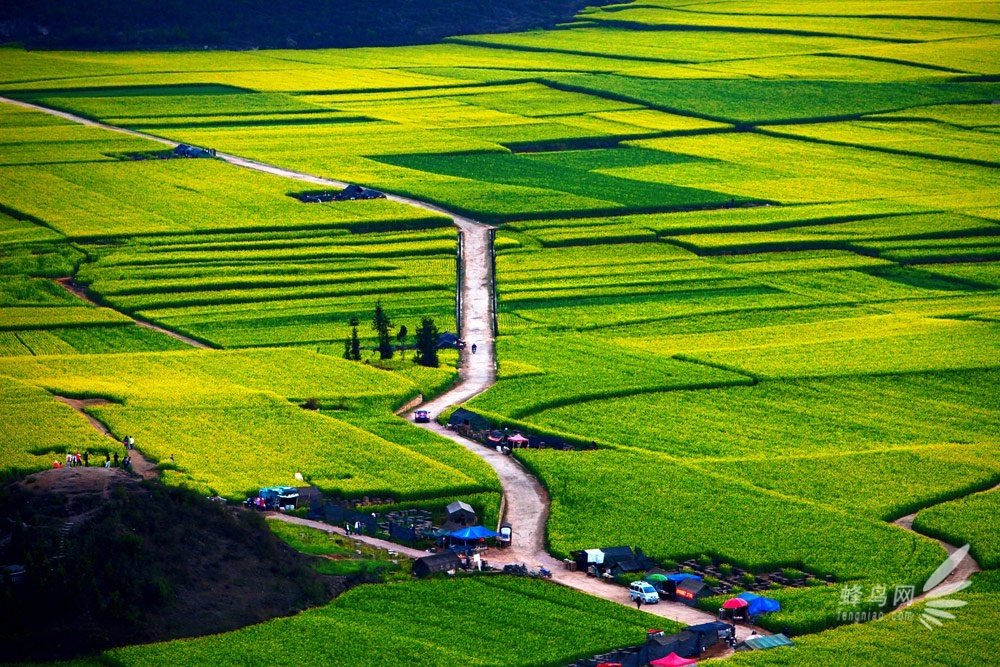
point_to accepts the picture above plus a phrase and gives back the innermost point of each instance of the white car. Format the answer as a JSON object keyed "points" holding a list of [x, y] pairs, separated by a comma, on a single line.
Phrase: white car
{"points": [[642, 590]]}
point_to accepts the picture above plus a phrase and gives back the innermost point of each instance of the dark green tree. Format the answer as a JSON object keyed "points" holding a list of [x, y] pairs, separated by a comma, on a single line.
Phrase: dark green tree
{"points": [[352, 345], [382, 326], [427, 338], [401, 339]]}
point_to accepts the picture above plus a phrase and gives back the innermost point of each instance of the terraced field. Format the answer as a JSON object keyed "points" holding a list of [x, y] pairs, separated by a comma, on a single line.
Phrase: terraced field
{"points": [[750, 250]]}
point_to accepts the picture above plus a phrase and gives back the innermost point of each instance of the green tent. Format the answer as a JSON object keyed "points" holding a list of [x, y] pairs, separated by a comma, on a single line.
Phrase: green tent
{"points": [[763, 642]]}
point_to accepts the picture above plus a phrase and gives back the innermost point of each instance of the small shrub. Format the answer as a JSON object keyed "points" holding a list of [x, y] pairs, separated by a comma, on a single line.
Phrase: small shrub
{"points": [[627, 578]]}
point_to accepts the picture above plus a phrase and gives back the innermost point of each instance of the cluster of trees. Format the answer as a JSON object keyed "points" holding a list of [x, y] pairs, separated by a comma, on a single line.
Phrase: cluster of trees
{"points": [[382, 325]]}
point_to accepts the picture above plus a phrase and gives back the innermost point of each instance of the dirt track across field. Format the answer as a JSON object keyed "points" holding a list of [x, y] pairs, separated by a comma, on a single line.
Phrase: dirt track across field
{"points": [[327, 528], [964, 569], [81, 293]]}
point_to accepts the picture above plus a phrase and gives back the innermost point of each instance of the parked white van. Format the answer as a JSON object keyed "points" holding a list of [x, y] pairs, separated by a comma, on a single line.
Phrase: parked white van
{"points": [[642, 590]]}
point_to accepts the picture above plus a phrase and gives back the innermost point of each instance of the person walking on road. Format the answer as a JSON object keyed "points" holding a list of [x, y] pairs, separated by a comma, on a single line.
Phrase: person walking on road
{"points": [[473, 348]]}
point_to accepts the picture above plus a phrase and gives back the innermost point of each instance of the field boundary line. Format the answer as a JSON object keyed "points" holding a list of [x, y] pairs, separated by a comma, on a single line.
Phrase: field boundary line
{"points": [[75, 290], [876, 149], [697, 27]]}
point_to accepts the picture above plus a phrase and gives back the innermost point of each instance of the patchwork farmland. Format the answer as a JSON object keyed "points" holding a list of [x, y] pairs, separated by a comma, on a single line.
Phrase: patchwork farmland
{"points": [[746, 256]]}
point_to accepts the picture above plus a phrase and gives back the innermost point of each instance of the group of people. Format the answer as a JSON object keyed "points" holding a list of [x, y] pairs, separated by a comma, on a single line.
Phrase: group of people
{"points": [[352, 529], [78, 460], [74, 460], [732, 640]]}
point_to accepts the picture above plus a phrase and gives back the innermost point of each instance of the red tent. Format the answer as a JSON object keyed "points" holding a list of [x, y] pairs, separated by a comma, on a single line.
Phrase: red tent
{"points": [[517, 439], [673, 660], [735, 603]]}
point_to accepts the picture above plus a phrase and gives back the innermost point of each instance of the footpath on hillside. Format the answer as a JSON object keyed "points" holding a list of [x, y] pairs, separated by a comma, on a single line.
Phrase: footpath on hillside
{"points": [[140, 464]]}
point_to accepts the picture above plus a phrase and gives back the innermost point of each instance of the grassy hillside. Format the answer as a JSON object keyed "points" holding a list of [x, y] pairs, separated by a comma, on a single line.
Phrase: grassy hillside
{"points": [[112, 561]]}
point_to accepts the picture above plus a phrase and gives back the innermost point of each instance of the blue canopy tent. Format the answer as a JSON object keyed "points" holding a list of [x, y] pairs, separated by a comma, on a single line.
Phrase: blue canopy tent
{"points": [[757, 604], [676, 578], [473, 533]]}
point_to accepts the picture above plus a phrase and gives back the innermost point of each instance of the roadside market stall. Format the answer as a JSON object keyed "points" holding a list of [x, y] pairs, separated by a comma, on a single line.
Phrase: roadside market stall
{"points": [[471, 537], [689, 591], [517, 440], [734, 608], [666, 584]]}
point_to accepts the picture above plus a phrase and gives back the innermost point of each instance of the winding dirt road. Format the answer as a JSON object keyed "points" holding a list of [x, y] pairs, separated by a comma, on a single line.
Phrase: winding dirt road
{"points": [[526, 502], [964, 569]]}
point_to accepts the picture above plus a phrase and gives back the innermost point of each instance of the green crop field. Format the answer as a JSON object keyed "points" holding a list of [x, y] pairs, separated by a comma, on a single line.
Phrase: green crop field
{"points": [[268, 289], [232, 423], [351, 630], [899, 638], [748, 249]]}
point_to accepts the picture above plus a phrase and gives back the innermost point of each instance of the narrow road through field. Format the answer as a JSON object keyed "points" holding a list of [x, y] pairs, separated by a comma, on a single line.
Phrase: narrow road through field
{"points": [[337, 530], [526, 501]]}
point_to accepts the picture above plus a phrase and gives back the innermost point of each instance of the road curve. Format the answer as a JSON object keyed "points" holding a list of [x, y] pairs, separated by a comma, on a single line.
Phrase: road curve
{"points": [[964, 569], [140, 464], [526, 501]]}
